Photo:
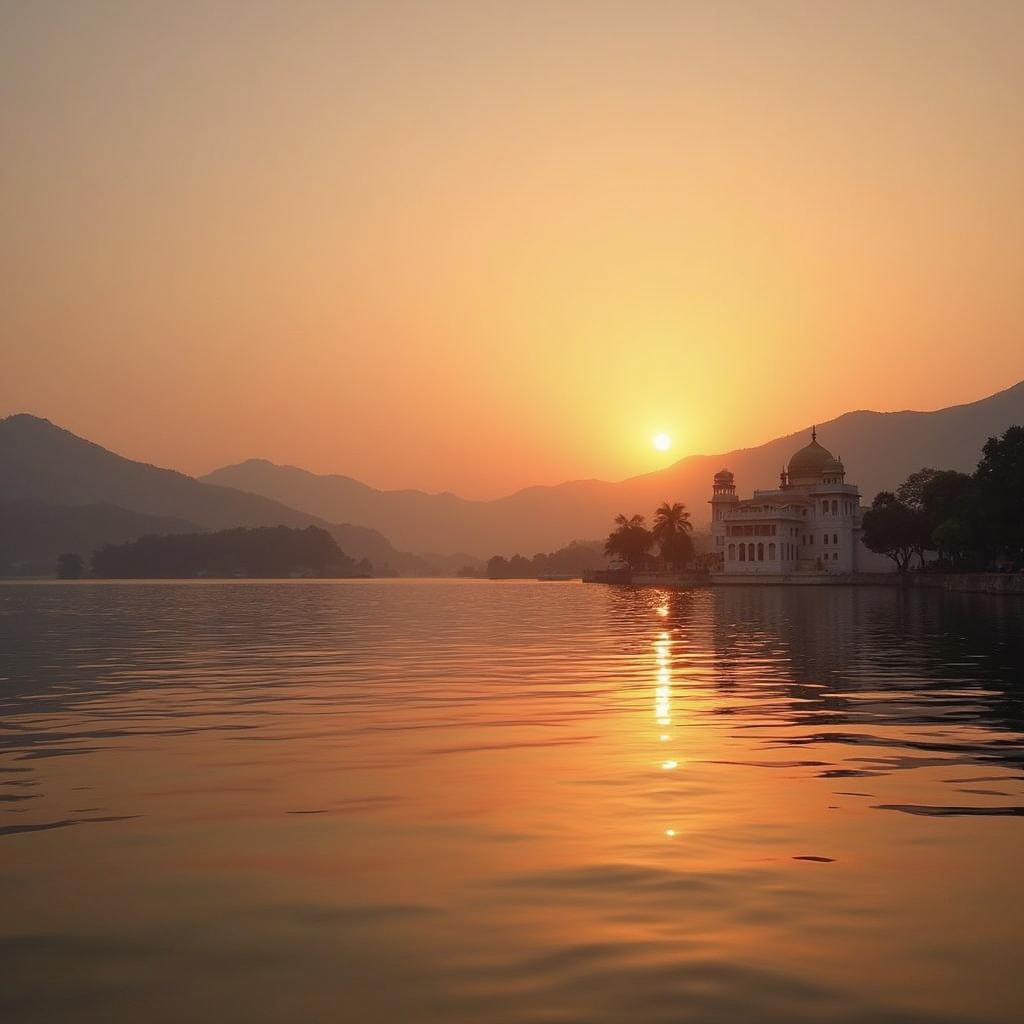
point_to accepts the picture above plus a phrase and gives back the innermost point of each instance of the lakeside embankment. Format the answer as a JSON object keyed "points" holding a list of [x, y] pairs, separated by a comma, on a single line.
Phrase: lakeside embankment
{"points": [[974, 582]]}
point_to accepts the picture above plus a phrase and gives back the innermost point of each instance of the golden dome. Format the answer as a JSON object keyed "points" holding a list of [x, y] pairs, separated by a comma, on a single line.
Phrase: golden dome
{"points": [[811, 463]]}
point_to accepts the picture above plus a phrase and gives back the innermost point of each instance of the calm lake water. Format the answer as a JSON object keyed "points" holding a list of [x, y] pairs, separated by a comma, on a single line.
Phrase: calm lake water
{"points": [[451, 801]]}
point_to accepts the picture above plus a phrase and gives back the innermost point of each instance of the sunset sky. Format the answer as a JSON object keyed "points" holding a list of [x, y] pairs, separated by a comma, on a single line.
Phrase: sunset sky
{"points": [[475, 246]]}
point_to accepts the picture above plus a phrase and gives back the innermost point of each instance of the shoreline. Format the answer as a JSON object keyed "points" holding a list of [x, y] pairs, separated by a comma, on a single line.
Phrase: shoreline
{"points": [[975, 583]]}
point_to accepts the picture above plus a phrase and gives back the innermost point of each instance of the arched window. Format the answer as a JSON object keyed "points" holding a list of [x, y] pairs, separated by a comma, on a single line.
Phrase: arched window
{"points": [[835, 508], [771, 552], [824, 508], [732, 552], [743, 552], [760, 552], [835, 538], [750, 552]]}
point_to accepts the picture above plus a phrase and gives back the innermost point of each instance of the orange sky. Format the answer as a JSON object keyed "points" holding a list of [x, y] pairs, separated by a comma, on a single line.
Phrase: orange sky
{"points": [[473, 246]]}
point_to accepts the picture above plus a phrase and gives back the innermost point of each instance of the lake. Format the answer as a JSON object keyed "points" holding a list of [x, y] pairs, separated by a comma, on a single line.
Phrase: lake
{"points": [[447, 801]]}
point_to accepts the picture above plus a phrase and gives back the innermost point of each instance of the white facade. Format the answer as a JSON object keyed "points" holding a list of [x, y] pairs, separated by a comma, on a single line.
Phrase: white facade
{"points": [[810, 524]]}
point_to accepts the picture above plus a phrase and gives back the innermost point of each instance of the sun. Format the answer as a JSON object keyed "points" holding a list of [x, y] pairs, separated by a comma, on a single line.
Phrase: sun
{"points": [[662, 442]]}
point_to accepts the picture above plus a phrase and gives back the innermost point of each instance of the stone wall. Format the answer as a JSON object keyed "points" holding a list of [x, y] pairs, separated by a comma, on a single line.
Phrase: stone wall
{"points": [[972, 582]]}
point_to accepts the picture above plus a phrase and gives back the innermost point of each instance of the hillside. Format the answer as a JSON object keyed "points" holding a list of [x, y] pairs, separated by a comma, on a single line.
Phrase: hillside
{"points": [[264, 552], [34, 533], [43, 463], [879, 450]]}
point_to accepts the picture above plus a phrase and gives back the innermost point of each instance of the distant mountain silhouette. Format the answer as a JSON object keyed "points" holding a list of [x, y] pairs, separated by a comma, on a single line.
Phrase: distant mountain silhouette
{"points": [[879, 450], [45, 464], [34, 533]]}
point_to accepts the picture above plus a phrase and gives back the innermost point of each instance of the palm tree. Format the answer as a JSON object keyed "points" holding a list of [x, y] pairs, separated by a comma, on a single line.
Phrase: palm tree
{"points": [[671, 519], [630, 540], [672, 529], [624, 522]]}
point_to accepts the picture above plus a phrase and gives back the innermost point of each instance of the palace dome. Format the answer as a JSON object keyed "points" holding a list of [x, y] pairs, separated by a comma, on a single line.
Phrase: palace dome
{"points": [[811, 463]]}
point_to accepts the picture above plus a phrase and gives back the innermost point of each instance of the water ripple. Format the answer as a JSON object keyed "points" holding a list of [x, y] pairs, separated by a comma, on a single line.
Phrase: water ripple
{"points": [[458, 801]]}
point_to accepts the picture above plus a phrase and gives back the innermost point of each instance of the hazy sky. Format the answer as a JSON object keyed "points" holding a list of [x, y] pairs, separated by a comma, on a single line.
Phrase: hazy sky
{"points": [[472, 246]]}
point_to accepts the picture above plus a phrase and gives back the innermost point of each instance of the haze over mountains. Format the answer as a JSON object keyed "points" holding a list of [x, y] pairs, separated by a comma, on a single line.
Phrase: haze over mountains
{"points": [[878, 449], [59, 492]]}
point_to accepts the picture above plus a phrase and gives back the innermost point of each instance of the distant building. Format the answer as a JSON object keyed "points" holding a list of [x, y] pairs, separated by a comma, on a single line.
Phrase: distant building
{"points": [[810, 524]]}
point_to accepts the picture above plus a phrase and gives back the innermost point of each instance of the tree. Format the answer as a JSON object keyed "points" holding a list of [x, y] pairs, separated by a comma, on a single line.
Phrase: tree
{"points": [[575, 558], [262, 551], [892, 528], [70, 566], [911, 491], [954, 538], [520, 568], [622, 521], [630, 540], [1000, 477], [671, 532], [951, 509], [497, 567]]}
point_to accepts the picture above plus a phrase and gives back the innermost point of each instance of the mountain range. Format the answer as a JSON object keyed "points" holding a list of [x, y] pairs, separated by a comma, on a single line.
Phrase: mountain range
{"points": [[879, 451], [60, 492]]}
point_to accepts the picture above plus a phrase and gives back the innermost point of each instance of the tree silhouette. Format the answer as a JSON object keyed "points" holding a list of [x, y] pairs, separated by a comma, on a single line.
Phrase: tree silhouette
{"points": [[892, 528], [70, 566], [630, 540], [1000, 477], [263, 551], [671, 532]]}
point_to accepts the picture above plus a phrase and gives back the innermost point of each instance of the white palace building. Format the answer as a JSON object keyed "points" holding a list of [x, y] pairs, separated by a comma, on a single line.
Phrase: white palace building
{"points": [[809, 525]]}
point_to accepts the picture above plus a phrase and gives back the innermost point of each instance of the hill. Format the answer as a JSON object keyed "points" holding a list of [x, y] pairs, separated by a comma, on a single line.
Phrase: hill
{"points": [[264, 552], [45, 464], [879, 450], [34, 533]]}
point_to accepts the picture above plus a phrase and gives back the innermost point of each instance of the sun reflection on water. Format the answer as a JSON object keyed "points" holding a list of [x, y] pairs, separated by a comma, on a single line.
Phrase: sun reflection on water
{"points": [[323, 763]]}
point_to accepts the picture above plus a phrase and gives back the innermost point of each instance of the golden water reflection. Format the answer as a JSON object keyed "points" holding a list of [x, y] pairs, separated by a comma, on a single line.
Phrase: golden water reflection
{"points": [[449, 802]]}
